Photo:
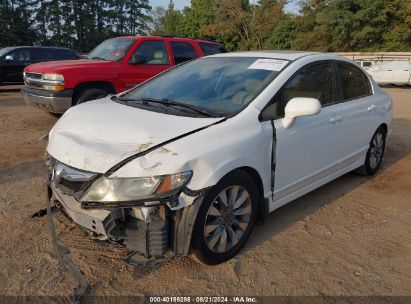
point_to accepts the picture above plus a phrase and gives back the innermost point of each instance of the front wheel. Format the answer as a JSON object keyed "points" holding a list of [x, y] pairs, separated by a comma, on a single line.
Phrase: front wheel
{"points": [[375, 153], [90, 94], [225, 219]]}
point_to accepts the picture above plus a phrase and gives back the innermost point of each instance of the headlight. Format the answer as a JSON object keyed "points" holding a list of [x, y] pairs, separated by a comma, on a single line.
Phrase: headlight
{"points": [[54, 77], [107, 190]]}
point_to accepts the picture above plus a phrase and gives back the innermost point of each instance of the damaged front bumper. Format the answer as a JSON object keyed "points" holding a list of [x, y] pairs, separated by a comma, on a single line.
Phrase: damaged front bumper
{"points": [[150, 234]]}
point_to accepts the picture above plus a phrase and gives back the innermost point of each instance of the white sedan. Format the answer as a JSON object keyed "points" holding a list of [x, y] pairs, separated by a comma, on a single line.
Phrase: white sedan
{"points": [[187, 162]]}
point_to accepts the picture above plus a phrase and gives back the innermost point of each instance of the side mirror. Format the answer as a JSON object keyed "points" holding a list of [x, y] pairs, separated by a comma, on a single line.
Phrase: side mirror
{"points": [[300, 106], [137, 59], [8, 58]]}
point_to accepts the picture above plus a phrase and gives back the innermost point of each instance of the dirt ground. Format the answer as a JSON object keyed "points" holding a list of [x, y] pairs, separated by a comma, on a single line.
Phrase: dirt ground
{"points": [[350, 237]]}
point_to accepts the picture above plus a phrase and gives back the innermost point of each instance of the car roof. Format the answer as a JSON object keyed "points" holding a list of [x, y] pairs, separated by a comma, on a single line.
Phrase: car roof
{"points": [[287, 55], [10, 48], [170, 37]]}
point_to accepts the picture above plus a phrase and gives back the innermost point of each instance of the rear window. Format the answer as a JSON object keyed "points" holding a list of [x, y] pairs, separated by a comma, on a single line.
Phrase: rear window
{"points": [[354, 82], [212, 48], [64, 54], [183, 52]]}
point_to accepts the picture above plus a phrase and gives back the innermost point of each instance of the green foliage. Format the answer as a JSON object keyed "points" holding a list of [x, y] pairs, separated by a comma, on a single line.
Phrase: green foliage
{"points": [[172, 20], [320, 25], [354, 25], [71, 23]]}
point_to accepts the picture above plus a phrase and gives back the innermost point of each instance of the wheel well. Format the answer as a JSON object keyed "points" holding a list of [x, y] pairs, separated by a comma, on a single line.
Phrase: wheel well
{"points": [[385, 127], [105, 85], [263, 205], [256, 177]]}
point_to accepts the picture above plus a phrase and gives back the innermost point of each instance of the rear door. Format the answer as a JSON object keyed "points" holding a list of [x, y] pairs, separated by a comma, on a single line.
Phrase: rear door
{"points": [[156, 60], [383, 73], [309, 150], [401, 71], [41, 55], [183, 51], [360, 109]]}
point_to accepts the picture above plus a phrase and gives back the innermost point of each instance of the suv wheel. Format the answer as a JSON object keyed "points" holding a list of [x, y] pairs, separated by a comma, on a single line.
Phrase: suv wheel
{"points": [[89, 94], [225, 219]]}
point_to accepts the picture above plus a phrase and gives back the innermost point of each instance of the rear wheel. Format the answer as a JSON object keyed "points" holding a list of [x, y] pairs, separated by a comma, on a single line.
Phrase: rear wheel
{"points": [[90, 94], [375, 153], [225, 219]]}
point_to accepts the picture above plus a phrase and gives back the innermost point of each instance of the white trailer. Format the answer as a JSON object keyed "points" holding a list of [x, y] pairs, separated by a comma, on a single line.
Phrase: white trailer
{"points": [[391, 72]]}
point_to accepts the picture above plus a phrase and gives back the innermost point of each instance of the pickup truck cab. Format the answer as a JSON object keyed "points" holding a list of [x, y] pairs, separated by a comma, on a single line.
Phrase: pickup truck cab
{"points": [[116, 65]]}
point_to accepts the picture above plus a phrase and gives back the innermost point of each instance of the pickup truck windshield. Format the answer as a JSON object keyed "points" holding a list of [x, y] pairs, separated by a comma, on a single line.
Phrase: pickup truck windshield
{"points": [[112, 49], [222, 86]]}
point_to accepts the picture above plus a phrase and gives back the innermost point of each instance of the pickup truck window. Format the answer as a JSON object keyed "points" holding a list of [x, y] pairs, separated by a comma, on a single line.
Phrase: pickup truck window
{"points": [[112, 49], [211, 49], [183, 52], [153, 51]]}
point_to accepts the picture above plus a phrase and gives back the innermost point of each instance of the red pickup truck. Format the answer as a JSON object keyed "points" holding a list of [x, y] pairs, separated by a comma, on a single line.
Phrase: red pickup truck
{"points": [[114, 66]]}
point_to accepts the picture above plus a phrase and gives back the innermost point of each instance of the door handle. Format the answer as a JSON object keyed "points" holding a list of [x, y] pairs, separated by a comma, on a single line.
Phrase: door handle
{"points": [[371, 108], [335, 119]]}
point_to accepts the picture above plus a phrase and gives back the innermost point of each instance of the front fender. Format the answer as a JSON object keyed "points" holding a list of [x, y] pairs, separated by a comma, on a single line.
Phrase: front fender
{"points": [[211, 154]]}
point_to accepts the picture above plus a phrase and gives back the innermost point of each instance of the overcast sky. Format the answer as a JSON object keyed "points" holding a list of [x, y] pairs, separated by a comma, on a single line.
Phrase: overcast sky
{"points": [[179, 4]]}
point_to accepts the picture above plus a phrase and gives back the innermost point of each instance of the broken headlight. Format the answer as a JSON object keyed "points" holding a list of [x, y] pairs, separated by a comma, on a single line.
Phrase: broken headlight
{"points": [[107, 190]]}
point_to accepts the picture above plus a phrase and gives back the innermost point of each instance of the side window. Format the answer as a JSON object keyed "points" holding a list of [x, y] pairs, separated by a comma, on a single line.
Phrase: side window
{"points": [[354, 83], [315, 81], [41, 55], [212, 48], [183, 52], [61, 54], [20, 56], [154, 52]]}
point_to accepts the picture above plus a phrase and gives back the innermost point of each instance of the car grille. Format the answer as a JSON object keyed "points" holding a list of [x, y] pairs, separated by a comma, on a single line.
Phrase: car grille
{"points": [[34, 75], [70, 180], [74, 186]]}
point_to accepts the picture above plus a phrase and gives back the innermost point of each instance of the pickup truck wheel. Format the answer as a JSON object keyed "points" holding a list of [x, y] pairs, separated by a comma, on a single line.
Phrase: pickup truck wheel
{"points": [[375, 153], [225, 219], [89, 94]]}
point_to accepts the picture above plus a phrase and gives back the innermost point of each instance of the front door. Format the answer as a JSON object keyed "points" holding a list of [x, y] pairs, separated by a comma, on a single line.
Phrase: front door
{"points": [[13, 68], [308, 151], [156, 60]]}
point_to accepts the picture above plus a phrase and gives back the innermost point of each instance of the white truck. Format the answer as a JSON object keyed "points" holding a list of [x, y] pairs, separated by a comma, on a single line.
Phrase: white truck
{"points": [[396, 72]]}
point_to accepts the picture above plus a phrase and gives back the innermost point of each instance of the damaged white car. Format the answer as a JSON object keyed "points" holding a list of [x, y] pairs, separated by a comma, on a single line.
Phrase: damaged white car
{"points": [[187, 162]]}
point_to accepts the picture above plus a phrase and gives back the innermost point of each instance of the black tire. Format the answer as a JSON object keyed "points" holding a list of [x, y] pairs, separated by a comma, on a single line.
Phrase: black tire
{"points": [[200, 250], [56, 115], [370, 168], [89, 94]]}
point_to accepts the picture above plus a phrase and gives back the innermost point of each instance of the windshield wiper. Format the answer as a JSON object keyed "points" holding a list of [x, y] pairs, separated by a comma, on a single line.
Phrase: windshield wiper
{"points": [[171, 103]]}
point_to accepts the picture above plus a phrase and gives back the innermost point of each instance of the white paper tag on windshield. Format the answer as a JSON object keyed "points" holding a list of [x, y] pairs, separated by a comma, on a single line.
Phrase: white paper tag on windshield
{"points": [[268, 64]]}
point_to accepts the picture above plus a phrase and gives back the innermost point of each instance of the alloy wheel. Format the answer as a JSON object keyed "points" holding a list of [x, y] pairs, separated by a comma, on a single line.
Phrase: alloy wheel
{"points": [[227, 219], [376, 150]]}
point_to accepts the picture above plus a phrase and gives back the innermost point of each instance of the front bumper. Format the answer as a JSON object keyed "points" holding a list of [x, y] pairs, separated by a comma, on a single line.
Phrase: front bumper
{"points": [[150, 234], [54, 102]]}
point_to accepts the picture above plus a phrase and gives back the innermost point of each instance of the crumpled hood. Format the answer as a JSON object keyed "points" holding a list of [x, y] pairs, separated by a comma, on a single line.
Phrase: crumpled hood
{"points": [[97, 135]]}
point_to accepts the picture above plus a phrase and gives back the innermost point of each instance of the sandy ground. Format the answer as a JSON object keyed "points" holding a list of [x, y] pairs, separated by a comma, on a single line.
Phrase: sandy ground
{"points": [[350, 237]]}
